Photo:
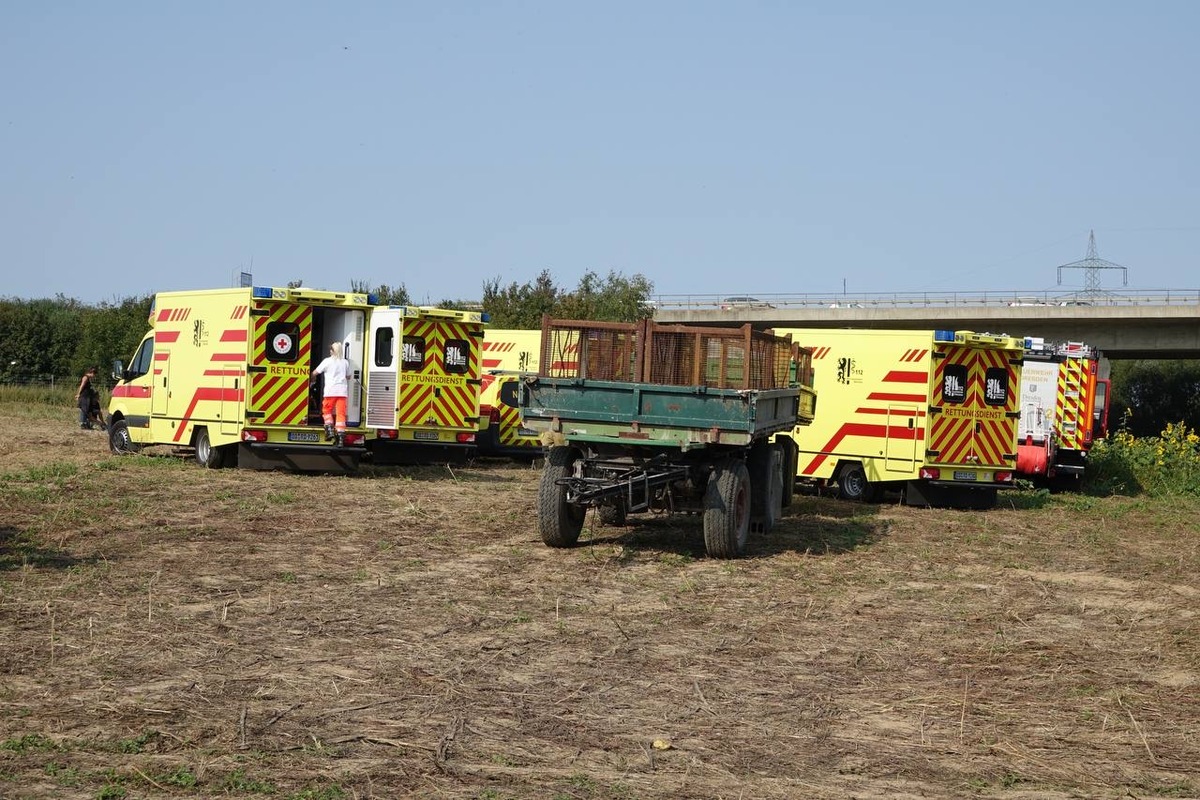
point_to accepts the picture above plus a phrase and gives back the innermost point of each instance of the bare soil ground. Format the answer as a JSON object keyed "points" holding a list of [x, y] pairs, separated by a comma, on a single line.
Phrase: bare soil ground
{"points": [[167, 631]]}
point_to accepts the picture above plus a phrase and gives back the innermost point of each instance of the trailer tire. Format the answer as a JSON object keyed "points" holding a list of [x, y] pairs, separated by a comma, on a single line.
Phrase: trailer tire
{"points": [[727, 510], [559, 522], [208, 456], [119, 440]]}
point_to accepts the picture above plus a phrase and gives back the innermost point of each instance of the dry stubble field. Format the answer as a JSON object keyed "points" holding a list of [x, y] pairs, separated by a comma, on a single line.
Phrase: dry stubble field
{"points": [[173, 632]]}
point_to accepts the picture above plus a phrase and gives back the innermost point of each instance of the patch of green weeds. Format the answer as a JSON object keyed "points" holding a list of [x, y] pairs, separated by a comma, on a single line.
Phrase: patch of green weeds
{"points": [[43, 473], [137, 744], [111, 791], [582, 782], [280, 498], [182, 777], [30, 741], [331, 792], [287, 577], [63, 774], [239, 781]]}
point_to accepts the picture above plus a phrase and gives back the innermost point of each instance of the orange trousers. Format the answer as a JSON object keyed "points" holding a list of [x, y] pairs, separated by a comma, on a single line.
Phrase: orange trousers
{"points": [[332, 406]]}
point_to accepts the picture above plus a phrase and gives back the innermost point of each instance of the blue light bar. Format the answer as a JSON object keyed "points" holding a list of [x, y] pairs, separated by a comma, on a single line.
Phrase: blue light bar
{"points": [[485, 317], [262, 292], [943, 336], [372, 299]]}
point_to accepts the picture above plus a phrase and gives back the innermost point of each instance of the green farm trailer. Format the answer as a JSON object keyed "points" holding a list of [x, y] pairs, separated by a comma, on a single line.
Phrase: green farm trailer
{"points": [[642, 417]]}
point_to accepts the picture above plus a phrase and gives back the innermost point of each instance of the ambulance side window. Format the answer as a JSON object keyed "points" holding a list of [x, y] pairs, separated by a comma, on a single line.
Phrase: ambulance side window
{"points": [[414, 353], [455, 356], [995, 387], [283, 341], [954, 383], [385, 340], [508, 394], [141, 360]]}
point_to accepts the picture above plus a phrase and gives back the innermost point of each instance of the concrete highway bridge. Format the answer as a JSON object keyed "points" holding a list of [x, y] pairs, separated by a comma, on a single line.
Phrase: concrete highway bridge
{"points": [[1158, 323]]}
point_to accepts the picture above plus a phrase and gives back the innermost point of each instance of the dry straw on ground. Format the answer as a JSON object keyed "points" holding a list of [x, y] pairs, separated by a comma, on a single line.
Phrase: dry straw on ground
{"points": [[171, 631]]}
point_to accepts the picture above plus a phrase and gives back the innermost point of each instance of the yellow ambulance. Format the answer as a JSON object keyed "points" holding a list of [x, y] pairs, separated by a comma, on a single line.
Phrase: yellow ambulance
{"points": [[507, 354], [423, 383], [932, 414], [225, 373]]}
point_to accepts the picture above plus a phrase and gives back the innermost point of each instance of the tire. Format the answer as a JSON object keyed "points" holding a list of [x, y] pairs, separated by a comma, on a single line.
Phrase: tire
{"points": [[559, 522], [119, 440], [613, 516], [207, 456], [727, 510], [853, 485]]}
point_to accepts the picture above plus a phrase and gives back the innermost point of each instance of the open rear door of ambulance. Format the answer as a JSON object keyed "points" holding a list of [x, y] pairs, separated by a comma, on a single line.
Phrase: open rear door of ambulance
{"points": [[383, 358]]}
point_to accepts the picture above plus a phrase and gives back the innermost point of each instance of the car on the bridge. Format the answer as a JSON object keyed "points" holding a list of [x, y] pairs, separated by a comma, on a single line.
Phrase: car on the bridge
{"points": [[743, 302]]}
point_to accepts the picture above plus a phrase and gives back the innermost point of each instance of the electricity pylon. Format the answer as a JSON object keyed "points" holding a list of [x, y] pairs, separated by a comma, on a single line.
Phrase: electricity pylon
{"points": [[1091, 266]]}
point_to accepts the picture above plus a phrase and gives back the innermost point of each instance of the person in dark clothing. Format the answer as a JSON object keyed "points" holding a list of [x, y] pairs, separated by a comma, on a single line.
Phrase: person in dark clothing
{"points": [[88, 400]]}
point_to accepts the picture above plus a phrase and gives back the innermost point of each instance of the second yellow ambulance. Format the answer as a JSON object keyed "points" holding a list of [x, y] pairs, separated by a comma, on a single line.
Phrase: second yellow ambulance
{"points": [[932, 414]]}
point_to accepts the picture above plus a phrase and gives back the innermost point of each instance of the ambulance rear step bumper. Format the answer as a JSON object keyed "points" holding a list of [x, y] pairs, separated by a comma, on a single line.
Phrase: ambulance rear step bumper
{"points": [[299, 458], [397, 452]]}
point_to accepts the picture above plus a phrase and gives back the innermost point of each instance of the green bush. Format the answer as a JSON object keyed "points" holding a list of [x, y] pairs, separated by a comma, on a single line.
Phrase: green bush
{"points": [[1160, 466]]}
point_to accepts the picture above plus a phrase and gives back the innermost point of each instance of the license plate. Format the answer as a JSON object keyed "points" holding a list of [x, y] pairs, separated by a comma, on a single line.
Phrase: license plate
{"points": [[303, 436], [959, 475], [426, 436]]}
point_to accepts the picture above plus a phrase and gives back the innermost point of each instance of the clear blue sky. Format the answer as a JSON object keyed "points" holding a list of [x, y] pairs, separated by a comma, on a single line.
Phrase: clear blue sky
{"points": [[714, 147]]}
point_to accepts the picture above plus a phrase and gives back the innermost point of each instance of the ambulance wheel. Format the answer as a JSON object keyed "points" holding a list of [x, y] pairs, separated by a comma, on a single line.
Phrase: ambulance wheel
{"points": [[613, 516], [559, 522], [853, 484], [727, 510], [119, 441], [206, 455]]}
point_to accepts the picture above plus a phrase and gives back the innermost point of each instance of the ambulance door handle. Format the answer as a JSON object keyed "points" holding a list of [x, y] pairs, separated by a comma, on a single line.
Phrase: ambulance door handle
{"points": [[978, 427], [911, 423], [437, 391]]}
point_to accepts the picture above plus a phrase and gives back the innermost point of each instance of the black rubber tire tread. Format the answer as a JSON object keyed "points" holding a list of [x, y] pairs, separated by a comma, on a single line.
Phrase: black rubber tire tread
{"points": [[119, 441], [207, 456], [559, 522], [612, 516], [727, 510], [852, 483]]}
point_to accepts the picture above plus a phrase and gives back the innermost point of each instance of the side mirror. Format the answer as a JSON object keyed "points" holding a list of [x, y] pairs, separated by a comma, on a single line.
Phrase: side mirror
{"points": [[118, 370]]}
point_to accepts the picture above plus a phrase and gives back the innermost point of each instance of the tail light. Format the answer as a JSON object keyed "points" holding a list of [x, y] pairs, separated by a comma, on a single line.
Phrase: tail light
{"points": [[355, 438], [1004, 477], [494, 416], [930, 473], [465, 438], [249, 435], [387, 433]]}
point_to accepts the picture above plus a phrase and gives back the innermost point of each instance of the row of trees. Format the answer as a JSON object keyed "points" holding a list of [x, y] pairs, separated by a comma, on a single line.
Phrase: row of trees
{"points": [[56, 339]]}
